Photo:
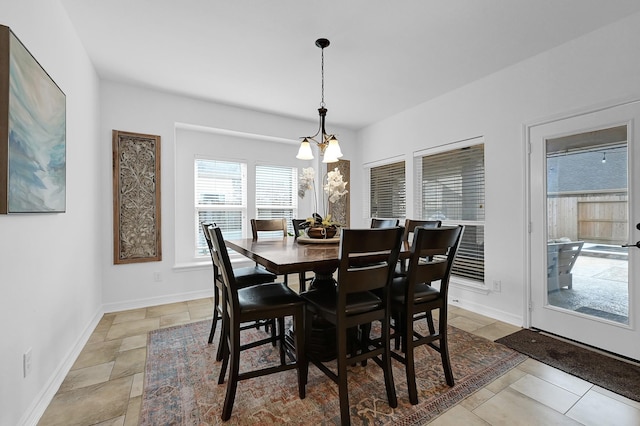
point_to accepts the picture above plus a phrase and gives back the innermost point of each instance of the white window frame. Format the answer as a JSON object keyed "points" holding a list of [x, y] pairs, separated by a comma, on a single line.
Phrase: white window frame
{"points": [[367, 185], [418, 156], [201, 249], [292, 196]]}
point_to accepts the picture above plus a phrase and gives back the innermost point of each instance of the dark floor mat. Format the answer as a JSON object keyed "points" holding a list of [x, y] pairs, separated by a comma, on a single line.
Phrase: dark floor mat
{"points": [[617, 376]]}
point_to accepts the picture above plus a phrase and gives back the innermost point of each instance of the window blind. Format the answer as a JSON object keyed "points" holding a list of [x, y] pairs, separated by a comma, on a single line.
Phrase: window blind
{"points": [[452, 190], [220, 197], [276, 193], [388, 191]]}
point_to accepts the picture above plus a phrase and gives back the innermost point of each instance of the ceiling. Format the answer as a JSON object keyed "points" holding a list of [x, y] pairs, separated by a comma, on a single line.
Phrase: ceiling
{"points": [[385, 56]]}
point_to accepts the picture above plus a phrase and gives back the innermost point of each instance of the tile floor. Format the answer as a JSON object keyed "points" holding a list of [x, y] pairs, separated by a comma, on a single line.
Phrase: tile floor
{"points": [[104, 386]]}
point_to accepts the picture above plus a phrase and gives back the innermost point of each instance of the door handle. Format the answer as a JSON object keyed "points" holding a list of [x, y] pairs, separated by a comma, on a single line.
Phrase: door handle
{"points": [[632, 245]]}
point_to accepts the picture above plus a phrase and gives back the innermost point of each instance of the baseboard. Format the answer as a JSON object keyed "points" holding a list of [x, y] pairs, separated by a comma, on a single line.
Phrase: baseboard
{"points": [[487, 311], [154, 301], [43, 399]]}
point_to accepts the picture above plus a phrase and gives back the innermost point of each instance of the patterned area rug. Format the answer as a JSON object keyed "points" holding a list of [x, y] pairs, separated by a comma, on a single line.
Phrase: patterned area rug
{"points": [[181, 383]]}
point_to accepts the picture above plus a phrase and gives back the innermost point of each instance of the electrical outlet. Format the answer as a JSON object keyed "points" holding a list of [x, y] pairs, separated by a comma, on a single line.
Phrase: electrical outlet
{"points": [[26, 362], [157, 277], [497, 286]]}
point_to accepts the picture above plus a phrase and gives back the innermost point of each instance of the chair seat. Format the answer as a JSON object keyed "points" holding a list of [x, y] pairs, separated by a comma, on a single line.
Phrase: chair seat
{"points": [[267, 297], [252, 275], [423, 292], [357, 303]]}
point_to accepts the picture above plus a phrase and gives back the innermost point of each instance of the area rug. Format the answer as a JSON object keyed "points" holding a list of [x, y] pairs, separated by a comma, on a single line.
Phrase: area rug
{"points": [[180, 384], [617, 376]]}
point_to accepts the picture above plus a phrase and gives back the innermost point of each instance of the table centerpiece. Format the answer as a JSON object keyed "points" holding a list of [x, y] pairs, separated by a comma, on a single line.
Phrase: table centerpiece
{"points": [[318, 226]]}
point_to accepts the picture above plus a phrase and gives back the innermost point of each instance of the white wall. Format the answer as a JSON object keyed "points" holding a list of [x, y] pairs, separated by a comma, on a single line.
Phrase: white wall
{"points": [[139, 110], [51, 290], [598, 68]]}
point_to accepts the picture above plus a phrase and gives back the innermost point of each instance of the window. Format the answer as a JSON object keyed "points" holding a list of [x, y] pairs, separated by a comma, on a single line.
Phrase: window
{"points": [[387, 191], [276, 193], [220, 197], [450, 188]]}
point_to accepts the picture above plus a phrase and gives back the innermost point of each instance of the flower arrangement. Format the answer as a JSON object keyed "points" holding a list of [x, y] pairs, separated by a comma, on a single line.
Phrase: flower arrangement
{"points": [[335, 188]]}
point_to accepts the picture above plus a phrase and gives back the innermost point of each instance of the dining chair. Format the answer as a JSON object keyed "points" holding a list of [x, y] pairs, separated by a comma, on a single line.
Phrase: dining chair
{"points": [[268, 225], [264, 302], [409, 226], [384, 223], [302, 277], [274, 227], [366, 262], [433, 251], [245, 276]]}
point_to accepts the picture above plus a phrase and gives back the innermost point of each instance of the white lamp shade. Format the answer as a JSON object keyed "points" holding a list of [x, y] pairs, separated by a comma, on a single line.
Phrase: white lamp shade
{"points": [[333, 152], [304, 153]]}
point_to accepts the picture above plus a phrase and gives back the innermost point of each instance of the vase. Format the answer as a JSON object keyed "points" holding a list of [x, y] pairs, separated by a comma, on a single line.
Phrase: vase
{"points": [[321, 232]]}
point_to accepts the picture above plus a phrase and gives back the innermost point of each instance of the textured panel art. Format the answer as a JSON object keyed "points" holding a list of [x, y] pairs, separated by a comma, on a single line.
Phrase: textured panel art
{"points": [[32, 133], [136, 198], [340, 210]]}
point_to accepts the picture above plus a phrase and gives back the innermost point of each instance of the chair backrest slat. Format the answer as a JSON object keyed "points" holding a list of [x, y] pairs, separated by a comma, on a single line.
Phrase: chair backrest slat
{"points": [[258, 225], [223, 263], [367, 258], [433, 251], [410, 226], [384, 223]]}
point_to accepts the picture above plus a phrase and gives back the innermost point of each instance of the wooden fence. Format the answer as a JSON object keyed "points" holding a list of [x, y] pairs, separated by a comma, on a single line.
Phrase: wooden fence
{"points": [[594, 218]]}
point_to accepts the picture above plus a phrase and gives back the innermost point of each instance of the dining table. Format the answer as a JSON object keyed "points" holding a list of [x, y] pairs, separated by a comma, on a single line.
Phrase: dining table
{"points": [[294, 255]]}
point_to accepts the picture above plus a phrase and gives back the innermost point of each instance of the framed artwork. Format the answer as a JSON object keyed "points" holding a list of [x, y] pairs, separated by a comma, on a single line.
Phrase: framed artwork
{"points": [[136, 198], [32, 133], [340, 210]]}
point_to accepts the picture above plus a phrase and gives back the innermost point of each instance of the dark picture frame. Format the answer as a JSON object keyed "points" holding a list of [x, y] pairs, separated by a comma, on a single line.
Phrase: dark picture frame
{"points": [[136, 198], [32, 133]]}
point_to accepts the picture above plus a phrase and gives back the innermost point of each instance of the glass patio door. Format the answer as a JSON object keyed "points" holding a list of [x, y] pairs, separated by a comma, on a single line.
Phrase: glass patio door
{"points": [[584, 207]]}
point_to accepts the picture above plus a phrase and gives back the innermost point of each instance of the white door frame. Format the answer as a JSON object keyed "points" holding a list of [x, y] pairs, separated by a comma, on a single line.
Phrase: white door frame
{"points": [[527, 134]]}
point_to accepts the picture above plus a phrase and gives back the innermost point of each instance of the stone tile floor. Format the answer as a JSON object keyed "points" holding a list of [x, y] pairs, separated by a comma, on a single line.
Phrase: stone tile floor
{"points": [[104, 386]]}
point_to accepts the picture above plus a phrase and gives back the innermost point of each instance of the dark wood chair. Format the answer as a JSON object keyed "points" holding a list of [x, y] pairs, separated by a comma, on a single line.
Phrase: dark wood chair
{"points": [[432, 254], [268, 225], [366, 261], [384, 223], [264, 302], [275, 227], [246, 276], [407, 236], [302, 278]]}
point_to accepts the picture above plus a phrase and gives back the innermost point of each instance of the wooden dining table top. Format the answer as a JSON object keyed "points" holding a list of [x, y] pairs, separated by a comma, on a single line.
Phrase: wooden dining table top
{"points": [[287, 255]]}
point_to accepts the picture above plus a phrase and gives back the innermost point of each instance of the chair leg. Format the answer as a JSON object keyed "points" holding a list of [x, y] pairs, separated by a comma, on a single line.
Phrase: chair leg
{"points": [[216, 303], [308, 321], [444, 347], [409, 359], [280, 322], [221, 342], [223, 350], [432, 329], [386, 360], [303, 283], [301, 359], [274, 333], [343, 392], [234, 370]]}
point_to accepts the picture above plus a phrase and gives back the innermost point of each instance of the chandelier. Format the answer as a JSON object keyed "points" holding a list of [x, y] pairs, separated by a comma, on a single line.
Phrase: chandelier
{"points": [[328, 144]]}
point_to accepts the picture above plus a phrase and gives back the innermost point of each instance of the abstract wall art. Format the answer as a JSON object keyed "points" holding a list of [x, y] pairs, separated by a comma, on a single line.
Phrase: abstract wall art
{"points": [[32, 133]]}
